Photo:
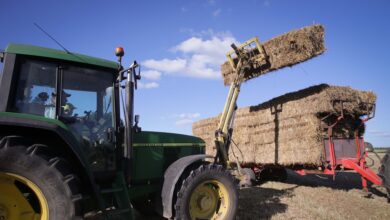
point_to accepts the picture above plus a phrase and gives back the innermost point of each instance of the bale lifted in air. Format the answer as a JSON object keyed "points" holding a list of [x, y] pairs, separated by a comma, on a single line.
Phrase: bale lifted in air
{"points": [[282, 51]]}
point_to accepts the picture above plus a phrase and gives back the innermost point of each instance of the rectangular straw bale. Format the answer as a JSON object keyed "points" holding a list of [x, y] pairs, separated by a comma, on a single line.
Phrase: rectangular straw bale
{"points": [[285, 50], [322, 99], [293, 135]]}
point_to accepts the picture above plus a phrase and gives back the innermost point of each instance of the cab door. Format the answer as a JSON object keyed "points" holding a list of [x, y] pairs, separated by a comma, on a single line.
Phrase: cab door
{"points": [[87, 107]]}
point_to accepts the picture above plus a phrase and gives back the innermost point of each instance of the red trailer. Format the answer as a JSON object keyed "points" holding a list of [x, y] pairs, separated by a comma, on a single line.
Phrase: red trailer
{"points": [[341, 154]]}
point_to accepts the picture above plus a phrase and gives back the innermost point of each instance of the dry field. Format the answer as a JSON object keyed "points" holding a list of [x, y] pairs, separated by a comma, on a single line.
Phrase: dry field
{"points": [[312, 197]]}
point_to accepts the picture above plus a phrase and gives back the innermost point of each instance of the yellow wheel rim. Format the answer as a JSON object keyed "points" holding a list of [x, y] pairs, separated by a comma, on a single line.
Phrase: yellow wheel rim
{"points": [[21, 199], [209, 200]]}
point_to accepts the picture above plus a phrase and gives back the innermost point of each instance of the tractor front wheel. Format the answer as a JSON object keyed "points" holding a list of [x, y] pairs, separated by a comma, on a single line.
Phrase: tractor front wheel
{"points": [[34, 185], [384, 172], [208, 192]]}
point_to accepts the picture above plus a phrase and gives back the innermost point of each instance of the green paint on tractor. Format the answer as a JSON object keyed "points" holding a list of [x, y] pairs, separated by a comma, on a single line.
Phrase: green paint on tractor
{"points": [[34, 118], [59, 54], [161, 149]]}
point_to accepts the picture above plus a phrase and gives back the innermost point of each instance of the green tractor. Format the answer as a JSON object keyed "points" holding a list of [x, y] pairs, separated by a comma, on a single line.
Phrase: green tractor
{"points": [[65, 153]]}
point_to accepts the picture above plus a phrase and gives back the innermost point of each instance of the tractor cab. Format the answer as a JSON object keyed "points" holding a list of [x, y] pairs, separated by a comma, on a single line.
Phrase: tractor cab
{"points": [[66, 89]]}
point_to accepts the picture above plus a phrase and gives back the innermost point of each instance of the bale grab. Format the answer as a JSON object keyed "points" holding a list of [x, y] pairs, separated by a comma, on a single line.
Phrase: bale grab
{"points": [[285, 50]]}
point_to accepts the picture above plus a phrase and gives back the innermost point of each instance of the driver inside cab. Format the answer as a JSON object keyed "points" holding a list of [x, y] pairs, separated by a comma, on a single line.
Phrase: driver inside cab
{"points": [[66, 108]]}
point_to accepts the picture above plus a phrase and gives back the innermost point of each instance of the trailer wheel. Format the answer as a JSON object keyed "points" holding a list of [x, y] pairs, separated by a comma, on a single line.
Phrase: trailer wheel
{"points": [[209, 192], [34, 185], [384, 172]]}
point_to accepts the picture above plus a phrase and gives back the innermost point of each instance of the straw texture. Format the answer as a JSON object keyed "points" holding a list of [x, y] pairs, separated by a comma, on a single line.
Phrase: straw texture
{"points": [[288, 130], [285, 50]]}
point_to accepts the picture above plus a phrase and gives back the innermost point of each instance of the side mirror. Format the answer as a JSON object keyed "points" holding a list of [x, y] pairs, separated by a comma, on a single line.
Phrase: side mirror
{"points": [[369, 147], [136, 76], [136, 128]]}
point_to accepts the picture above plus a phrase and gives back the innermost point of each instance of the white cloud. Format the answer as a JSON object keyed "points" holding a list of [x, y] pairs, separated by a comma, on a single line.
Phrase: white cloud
{"points": [[209, 33], [151, 74], [189, 115], [166, 65], [186, 119], [150, 85], [184, 122], [197, 57]]}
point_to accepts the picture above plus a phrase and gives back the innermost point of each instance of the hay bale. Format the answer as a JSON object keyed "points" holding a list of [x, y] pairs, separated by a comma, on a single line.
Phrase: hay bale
{"points": [[322, 99], [285, 50], [288, 130]]}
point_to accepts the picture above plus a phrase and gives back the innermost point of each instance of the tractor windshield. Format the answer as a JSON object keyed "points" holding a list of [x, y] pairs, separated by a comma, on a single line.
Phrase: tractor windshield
{"points": [[81, 97], [87, 95]]}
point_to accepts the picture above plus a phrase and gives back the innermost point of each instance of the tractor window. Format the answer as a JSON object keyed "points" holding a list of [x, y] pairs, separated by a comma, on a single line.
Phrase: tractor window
{"points": [[88, 93], [88, 99], [35, 85]]}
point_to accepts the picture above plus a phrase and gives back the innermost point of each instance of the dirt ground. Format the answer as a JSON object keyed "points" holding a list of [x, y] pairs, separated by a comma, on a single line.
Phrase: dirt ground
{"points": [[314, 197]]}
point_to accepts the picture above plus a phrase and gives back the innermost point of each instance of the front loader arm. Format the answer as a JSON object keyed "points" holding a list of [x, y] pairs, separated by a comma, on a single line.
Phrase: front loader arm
{"points": [[245, 63]]}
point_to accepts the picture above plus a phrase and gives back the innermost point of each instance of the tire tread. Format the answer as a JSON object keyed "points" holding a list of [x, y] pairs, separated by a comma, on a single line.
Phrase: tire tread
{"points": [[18, 146], [191, 177]]}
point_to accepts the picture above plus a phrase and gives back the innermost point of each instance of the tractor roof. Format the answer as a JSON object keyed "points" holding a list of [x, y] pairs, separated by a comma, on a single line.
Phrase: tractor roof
{"points": [[59, 54]]}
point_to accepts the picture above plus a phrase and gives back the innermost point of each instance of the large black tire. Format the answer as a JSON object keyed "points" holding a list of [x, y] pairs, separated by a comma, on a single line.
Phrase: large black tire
{"points": [[208, 192], [384, 172], [42, 180]]}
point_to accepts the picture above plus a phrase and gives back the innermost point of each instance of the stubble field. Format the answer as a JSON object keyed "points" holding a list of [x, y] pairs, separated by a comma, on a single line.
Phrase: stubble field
{"points": [[314, 197]]}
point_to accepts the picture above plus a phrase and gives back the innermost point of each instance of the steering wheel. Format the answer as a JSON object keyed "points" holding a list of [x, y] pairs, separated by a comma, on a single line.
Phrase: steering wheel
{"points": [[96, 128]]}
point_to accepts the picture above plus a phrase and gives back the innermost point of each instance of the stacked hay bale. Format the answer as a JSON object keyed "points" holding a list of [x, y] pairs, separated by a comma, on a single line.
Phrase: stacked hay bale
{"points": [[288, 130], [285, 50]]}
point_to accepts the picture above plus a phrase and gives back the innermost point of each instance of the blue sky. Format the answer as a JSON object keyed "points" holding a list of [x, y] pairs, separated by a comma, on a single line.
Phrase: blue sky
{"points": [[181, 44]]}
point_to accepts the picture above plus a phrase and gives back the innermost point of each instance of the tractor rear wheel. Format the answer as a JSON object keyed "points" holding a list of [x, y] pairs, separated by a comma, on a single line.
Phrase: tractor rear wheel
{"points": [[208, 192], [34, 185], [384, 172]]}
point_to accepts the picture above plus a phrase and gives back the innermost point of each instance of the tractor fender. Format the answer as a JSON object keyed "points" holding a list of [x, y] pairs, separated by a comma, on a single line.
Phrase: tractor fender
{"points": [[11, 123], [36, 124], [171, 176]]}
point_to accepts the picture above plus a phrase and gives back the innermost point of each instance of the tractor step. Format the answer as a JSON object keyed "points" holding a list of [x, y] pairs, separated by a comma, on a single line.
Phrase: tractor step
{"points": [[116, 201]]}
